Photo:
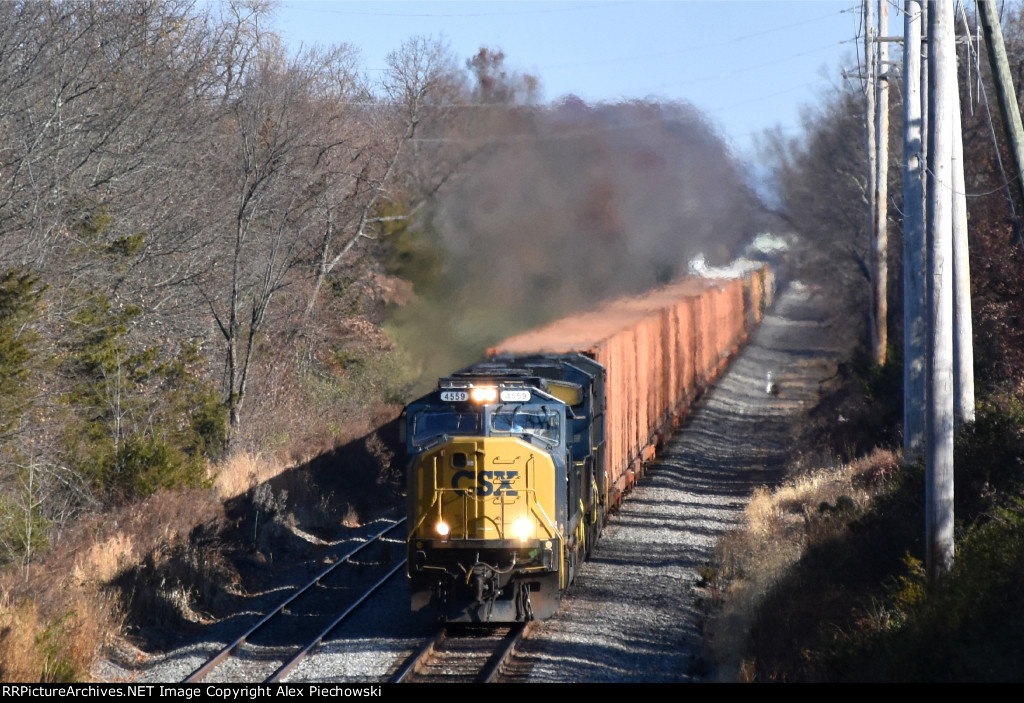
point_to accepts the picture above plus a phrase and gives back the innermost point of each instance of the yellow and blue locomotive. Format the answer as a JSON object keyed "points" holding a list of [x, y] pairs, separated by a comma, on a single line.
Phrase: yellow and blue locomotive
{"points": [[506, 486]]}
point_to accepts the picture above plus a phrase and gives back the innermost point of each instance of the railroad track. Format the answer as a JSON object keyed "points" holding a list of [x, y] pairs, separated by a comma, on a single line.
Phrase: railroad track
{"points": [[463, 655], [283, 637]]}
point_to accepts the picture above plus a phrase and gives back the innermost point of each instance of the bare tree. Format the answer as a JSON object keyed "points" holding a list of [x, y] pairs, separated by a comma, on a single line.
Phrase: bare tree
{"points": [[824, 192], [390, 163]]}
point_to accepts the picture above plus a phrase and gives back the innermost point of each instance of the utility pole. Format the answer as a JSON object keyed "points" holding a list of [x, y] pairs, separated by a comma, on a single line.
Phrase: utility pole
{"points": [[870, 139], [939, 429], [880, 198], [963, 325], [876, 110], [913, 238], [1004, 88]]}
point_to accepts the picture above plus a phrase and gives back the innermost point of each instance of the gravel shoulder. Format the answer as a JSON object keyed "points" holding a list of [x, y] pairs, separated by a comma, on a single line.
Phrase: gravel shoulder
{"points": [[633, 613]]}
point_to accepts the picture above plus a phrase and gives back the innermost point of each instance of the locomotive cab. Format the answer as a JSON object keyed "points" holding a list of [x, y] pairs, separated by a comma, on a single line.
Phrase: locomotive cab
{"points": [[486, 540], [502, 490]]}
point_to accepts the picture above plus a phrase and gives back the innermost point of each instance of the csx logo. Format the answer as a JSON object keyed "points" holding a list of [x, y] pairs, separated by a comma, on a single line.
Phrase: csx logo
{"points": [[485, 483]]}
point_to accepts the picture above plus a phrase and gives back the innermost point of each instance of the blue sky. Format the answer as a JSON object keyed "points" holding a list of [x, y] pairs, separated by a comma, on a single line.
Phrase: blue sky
{"points": [[747, 64]]}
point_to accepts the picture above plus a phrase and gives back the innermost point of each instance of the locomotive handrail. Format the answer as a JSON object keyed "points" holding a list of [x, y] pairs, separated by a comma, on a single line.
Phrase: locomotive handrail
{"points": [[552, 528]]}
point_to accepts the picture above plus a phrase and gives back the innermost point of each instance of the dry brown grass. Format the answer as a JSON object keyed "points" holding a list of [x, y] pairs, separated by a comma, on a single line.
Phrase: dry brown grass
{"points": [[243, 471], [20, 627], [56, 618], [52, 632], [779, 525], [104, 560]]}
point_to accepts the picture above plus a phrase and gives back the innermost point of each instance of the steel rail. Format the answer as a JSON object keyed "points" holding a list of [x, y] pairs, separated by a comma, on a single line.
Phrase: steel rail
{"points": [[228, 650], [493, 667], [490, 670], [293, 662], [422, 654]]}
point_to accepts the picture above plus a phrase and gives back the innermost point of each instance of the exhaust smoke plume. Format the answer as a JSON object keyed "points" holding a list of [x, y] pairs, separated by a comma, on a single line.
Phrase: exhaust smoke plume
{"points": [[564, 207]]}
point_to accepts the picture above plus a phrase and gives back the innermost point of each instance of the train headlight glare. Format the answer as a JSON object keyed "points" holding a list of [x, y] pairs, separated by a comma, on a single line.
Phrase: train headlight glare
{"points": [[442, 528], [484, 394], [522, 528]]}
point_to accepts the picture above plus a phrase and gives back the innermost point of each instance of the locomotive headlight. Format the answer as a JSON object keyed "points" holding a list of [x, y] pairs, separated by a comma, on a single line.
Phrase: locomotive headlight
{"points": [[484, 394], [522, 528], [442, 528]]}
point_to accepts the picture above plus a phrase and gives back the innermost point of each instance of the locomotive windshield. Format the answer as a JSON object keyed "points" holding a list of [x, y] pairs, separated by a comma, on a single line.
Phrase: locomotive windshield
{"points": [[433, 422], [519, 419]]}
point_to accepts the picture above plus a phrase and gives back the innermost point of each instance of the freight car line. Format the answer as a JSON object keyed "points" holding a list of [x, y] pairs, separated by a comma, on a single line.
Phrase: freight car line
{"points": [[662, 350], [306, 597], [475, 656]]}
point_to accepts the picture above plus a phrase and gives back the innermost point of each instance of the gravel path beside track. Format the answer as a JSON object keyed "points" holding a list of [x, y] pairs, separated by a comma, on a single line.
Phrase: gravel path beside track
{"points": [[633, 615]]}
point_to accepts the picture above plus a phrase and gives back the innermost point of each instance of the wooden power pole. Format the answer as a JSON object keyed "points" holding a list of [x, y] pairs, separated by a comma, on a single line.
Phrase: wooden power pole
{"points": [[876, 133], [963, 325], [1004, 87], [871, 147], [939, 430], [880, 199], [914, 342]]}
